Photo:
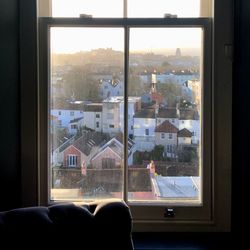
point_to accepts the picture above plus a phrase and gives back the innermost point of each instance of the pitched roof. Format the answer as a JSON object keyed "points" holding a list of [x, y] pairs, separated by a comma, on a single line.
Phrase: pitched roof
{"points": [[76, 120], [64, 105], [167, 113], [166, 127], [89, 140], [145, 113], [184, 133], [116, 144]]}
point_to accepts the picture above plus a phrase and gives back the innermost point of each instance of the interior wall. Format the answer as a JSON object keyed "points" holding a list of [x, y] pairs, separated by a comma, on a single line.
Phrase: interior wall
{"points": [[9, 105], [241, 117]]}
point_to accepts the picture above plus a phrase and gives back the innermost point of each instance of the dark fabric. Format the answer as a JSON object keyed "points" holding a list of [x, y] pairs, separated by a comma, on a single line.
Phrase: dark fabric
{"points": [[103, 225]]}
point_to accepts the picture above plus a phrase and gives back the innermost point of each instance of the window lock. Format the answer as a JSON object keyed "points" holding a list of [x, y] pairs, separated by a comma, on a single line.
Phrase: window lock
{"points": [[169, 213]]}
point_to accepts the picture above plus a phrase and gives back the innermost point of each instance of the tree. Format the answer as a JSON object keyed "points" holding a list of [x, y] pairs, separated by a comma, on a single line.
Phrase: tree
{"points": [[157, 153], [188, 154], [79, 83], [171, 92]]}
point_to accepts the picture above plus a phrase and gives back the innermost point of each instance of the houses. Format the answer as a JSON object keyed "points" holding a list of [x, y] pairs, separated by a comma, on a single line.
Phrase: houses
{"points": [[184, 137], [134, 106], [110, 155], [111, 115], [189, 119], [168, 114], [166, 135], [93, 116], [78, 153], [144, 129], [75, 125], [110, 87], [177, 77], [66, 112]]}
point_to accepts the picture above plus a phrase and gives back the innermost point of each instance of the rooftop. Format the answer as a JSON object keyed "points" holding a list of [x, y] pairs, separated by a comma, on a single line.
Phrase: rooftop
{"points": [[177, 187], [93, 107], [166, 127], [145, 113], [184, 133], [167, 113]]}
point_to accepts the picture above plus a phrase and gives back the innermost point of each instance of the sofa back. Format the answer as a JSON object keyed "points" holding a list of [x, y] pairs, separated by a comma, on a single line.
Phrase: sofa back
{"points": [[103, 225]]}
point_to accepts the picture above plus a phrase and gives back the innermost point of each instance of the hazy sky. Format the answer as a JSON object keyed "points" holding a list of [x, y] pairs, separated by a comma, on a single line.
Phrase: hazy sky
{"points": [[71, 40]]}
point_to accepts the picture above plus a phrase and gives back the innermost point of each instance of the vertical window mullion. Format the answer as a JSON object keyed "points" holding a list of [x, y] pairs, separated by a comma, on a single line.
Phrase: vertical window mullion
{"points": [[125, 136]]}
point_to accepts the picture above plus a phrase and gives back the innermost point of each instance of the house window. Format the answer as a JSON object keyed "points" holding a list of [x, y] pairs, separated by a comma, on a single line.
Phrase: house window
{"points": [[161, 34], [59, 112], [162, 136], [169, 148], [170, 136], [97, 125], [72, 160], [74, 126], [111, 125], [97, 116]]}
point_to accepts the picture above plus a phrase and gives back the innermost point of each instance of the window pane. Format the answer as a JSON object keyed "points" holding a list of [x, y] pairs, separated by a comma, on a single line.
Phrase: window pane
{"points": [[165, 78], [86, 98], [158, 8], [96, 8]]}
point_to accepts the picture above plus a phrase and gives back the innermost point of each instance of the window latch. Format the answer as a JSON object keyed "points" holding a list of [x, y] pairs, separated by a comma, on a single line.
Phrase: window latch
{"points": [[169, 15], [169, 213]]}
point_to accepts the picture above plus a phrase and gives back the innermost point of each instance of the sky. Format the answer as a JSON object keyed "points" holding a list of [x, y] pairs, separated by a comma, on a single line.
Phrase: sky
{"points": [[72, 40]]}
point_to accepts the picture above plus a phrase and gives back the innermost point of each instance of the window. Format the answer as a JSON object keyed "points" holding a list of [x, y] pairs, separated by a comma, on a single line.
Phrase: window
{"points": [[169, 148], [59, 112], [111, 125], [170, 136], [72, 160], [97, 124], [71, 113], [162, 136], [127, 33], [74, 126], [97, 116]]}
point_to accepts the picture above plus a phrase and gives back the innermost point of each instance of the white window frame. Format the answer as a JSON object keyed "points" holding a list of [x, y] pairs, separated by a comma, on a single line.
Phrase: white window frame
{"points": [[34, 180], [71, 160]]}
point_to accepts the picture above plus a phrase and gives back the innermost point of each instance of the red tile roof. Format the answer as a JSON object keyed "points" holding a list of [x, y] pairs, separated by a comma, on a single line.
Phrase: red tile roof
{"points": [[166, 127]]}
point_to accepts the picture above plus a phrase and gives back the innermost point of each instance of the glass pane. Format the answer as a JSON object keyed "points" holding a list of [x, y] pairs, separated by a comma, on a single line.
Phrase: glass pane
{"points": [[165, 79], [86, 98], [158, 8], [96, 8]]}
